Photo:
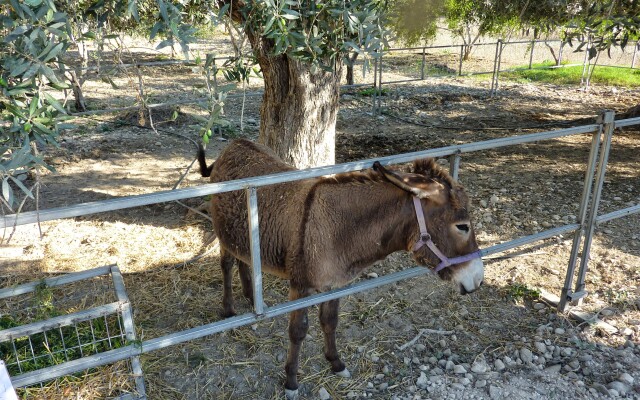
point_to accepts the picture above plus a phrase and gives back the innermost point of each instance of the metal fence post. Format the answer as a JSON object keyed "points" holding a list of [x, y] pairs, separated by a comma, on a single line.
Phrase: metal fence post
{"points": [[635, 52], [454, 165], [461, 57], [375, 85], [254, 236], [608, 119], [424, 55], [380, 83], [130, 332], [567, 294], [496, 67]]}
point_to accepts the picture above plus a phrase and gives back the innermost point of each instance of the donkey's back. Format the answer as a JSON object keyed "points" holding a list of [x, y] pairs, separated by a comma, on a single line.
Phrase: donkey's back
{"points": [[279, 211]]}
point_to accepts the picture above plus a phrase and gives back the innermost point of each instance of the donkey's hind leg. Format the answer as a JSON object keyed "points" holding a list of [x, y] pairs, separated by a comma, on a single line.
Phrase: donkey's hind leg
{"points": [[329, 322], [226, 263], [298, 327], [246, 280]]}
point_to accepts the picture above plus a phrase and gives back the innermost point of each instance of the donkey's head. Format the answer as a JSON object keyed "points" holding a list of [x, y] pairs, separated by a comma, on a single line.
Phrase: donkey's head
{"points": [[443, 234]]}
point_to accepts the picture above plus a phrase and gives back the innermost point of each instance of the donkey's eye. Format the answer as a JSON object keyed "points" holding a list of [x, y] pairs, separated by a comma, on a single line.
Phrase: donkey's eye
{"points": [[463, 227]]}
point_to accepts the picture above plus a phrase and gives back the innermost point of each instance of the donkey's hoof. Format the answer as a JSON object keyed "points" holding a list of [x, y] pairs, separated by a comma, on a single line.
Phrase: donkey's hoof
{"points": [[344, 373], [291, 394]]}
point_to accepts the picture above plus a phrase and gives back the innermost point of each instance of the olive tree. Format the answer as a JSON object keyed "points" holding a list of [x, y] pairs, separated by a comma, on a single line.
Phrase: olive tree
{"points": [[300, 47]]}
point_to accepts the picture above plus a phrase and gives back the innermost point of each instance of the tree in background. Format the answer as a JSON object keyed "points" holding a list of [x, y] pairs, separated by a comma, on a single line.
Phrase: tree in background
{"points": [[35, 37], [300, 47]]}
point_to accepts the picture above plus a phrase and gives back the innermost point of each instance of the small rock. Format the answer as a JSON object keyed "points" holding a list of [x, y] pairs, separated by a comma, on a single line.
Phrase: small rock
{"points": [[465, 381], [526, 355], [372, 275], [585, 357], [600, 388], [459, 369], [420, 347], [457, 386], [383, 386], [479, 367], [480, 383], [606, 312], [495, 392], [539, 306], [323, 394], [494, 199], [450, 365], [626, 378], [499, 365], [618, 386], [553, 369], [422, 381], [540, 347], [559, 331]]}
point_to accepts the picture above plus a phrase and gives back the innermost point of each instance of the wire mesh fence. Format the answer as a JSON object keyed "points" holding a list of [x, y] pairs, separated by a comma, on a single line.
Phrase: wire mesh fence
{"points": [[52, 322]]}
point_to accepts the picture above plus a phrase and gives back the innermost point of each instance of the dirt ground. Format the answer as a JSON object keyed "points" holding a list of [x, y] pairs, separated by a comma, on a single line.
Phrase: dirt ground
{"points": [[528, 349]]}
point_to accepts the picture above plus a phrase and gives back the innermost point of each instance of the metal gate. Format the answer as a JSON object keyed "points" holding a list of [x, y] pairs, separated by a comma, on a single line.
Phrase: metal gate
{"points": [[602, 133]]}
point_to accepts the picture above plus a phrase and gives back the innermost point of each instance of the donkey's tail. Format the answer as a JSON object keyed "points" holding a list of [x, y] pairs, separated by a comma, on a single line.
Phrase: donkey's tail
{"points": [[205, 170]]}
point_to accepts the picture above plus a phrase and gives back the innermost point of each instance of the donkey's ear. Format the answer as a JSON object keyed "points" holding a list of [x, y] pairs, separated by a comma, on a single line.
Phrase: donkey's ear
{"points": [[415, 184], [425, 167]]}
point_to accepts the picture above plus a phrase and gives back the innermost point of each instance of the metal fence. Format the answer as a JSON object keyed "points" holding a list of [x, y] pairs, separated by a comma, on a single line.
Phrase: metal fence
{"points": [[583, 230], [30, 349], [394, 65]]}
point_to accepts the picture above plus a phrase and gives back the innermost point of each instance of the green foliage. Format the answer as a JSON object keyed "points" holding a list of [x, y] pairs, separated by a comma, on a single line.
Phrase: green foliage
{"points": [[605, 24], [368, 92], [518, 292], [36, 37], [319, 33]]}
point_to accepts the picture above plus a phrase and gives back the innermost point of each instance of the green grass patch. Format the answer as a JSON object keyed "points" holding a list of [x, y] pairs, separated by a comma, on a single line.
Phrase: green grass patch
{"points": [[368, 92], [518, 292], [610, 76]]}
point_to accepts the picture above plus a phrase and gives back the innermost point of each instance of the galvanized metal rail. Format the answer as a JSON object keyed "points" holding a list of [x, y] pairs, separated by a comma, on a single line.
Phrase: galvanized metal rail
{"points": [[241, 184]]}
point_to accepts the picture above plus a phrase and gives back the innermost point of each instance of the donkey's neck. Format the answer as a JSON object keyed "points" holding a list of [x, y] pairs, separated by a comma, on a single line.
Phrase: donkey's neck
{"points": [[380, 227]]}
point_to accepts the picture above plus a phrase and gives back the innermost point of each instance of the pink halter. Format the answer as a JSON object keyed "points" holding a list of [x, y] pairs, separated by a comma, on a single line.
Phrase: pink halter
{"points": [[425, 239]]}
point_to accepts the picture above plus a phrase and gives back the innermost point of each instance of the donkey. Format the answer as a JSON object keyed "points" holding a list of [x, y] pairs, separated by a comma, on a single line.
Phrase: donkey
{"points": [[322, 233]]}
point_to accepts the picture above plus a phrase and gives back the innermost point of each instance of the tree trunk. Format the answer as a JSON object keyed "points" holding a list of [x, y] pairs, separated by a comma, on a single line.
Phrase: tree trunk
{"points": [[352, 60], [299, 107]]}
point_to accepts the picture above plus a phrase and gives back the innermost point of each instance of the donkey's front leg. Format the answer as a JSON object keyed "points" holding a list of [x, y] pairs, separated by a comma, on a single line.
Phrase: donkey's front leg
{"points": [[298, 326], [329, 322]]}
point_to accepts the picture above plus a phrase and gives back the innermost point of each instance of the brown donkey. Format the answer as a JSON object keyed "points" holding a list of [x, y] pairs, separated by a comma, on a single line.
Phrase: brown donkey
{"points": [[322, 233]]}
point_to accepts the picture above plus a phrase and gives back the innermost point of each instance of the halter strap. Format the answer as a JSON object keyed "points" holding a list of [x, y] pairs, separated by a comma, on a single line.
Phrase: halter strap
{"points": [[425, 239]]}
